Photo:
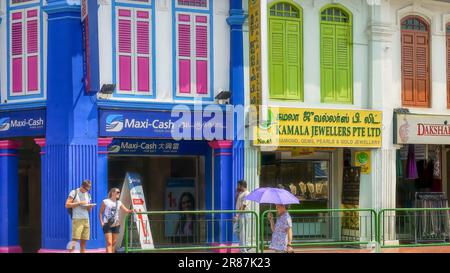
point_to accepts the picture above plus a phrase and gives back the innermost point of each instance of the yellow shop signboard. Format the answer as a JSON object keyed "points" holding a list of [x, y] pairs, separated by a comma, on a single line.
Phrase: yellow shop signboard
{"points": [[296, 127]]}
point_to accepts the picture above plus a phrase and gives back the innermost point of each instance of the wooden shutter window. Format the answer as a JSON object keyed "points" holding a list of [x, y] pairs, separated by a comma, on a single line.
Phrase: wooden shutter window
{"points": [[415, 62], [201, 44], [143, 51], [32, 51], [134, 51], [192, 54], [336, 67], [17, 53], [125, 53], [285, 52], [184, 53]]}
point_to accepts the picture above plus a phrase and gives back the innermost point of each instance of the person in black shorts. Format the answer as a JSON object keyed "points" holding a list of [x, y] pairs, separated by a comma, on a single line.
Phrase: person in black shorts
{"points": [[109, 218]]}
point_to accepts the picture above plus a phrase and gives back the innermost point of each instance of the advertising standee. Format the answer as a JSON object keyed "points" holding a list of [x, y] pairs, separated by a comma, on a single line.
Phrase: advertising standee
{"points": [[133, 195]]}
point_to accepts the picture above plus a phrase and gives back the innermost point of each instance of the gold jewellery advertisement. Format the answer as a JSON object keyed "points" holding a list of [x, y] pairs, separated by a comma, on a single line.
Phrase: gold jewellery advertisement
{"points": [[297, 127]]}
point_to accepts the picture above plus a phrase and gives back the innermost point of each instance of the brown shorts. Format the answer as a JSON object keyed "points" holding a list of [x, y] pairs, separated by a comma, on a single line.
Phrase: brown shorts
{"points": [[81, 229]]}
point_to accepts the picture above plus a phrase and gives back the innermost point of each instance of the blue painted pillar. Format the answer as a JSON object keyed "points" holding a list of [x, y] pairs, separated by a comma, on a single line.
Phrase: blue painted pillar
{"points": [[236, 20], [9, 197], [72, 150], [223, 189]]}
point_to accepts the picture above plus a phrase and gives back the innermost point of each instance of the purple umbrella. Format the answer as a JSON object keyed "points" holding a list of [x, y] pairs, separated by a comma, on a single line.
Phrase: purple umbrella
{"points": [[272, 196]]}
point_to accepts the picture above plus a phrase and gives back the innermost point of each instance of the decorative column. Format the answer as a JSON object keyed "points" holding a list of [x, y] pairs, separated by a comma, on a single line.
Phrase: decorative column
{"points": [[9, 197], [383, 184], [223, 189], [71, 148]]}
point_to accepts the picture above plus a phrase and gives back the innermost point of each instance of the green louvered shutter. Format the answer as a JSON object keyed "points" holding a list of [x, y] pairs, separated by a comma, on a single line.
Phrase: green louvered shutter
{"points": [[276, 59], [293, 61], [327, 62], [343, 89]]}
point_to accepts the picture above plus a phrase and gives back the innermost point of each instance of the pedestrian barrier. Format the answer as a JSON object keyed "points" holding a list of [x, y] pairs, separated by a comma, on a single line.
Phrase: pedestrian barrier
{"points": [[413, 227], [193, 231], [326, 227], [216, 231]]}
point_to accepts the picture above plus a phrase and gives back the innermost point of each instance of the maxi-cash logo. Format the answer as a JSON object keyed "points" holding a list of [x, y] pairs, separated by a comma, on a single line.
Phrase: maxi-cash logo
{"points": [[114, 123], [5, 124]]}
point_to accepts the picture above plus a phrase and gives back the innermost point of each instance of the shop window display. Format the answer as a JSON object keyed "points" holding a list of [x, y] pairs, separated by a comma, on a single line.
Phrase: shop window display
{"points": [[307, 176]]}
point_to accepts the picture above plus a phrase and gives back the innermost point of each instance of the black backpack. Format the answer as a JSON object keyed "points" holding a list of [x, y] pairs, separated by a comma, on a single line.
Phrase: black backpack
{"points": [[70, 210]]}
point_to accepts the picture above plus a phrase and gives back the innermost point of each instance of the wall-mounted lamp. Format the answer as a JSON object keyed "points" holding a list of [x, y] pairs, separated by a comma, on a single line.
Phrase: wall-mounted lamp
{"points": [[107, 89], [223, 97]]}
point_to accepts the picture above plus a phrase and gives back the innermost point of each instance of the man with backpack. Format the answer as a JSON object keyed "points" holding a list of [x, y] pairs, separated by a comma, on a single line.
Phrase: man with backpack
{"points": [[79, 205]]}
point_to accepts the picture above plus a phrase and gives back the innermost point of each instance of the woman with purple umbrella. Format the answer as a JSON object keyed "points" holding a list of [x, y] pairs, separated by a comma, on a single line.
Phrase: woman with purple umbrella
{"points": [[281, 231]]}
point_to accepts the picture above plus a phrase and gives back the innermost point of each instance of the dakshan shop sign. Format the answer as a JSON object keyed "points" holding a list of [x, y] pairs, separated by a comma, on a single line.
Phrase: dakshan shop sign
{"points": [[421, 129], [291, 127]]}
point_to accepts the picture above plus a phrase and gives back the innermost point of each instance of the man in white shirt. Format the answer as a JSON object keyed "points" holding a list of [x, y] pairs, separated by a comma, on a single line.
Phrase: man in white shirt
{"points": [[242, 219], [79, 201]]}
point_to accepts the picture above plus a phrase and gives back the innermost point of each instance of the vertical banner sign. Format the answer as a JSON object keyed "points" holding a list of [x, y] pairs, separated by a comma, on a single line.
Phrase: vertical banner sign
{"points": [[133, 194], [254, 21], [89, 29]]}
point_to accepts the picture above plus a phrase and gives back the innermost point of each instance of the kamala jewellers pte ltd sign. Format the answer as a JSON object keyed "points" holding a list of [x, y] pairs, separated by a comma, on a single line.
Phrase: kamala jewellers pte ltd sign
{"points": [[291, 127]]}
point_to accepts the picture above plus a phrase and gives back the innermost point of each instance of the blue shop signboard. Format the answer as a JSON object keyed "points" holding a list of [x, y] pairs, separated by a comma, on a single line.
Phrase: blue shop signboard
{"points": [[184, 125], [156, 147], [22, 123]]}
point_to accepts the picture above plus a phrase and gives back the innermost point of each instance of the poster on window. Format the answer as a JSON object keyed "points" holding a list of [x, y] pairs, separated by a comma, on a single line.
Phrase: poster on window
{"points": [[180, 196], [350, 201]]}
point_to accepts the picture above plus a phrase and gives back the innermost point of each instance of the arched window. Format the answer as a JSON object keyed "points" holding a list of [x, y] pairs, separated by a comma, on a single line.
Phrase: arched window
{"points": [[336, 55], [285, 51], [448, 64], [415, 62]]}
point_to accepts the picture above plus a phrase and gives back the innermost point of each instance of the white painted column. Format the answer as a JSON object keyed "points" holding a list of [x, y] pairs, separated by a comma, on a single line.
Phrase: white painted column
{"points": [[383, 178]]}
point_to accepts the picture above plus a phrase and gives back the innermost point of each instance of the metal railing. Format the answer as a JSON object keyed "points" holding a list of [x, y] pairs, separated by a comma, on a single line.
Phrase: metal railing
{"points": [[326, 227], [200, 231], [413, 227], [194, 231]]}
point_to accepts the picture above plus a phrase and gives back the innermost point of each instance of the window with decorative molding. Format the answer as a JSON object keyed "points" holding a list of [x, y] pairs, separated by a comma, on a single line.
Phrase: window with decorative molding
{"points": [[134, 51], [24, 52], [192, 54], [336, 55], [285, 51]]}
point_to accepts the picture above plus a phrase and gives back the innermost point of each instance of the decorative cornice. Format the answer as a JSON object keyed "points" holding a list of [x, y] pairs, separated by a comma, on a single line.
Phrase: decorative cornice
{"points": [[237, 17], [221, 144], [104, 142], [60, 7], [10, 144], [380, 32]]}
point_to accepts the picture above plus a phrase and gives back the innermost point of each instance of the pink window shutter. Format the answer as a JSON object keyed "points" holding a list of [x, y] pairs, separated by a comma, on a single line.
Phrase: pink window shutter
{"points": [[124, 49], [143, 51], [202, 55], [33, 58], [17, 54], [184, 54]]}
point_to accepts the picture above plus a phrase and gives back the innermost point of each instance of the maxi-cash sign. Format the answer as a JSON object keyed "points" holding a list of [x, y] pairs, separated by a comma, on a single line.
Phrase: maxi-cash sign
{"points": [[292, 127], [164, 124]]}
